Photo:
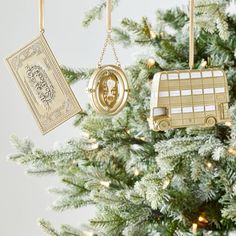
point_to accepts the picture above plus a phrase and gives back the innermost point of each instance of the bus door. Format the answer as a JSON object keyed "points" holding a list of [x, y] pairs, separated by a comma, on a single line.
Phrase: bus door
{"points": [[224, 111]]}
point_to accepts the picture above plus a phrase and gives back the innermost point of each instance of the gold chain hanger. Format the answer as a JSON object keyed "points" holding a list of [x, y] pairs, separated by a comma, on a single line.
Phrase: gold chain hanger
{"points": [[109, 39]]}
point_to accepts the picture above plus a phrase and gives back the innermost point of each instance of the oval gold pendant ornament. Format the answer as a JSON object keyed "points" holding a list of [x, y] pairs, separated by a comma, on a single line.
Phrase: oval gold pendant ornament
{"points": [[108, 90], [108, 87]]}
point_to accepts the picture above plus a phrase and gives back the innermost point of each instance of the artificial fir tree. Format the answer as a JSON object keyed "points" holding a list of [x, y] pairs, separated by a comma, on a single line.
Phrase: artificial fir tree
{"points": [[144, 182]]}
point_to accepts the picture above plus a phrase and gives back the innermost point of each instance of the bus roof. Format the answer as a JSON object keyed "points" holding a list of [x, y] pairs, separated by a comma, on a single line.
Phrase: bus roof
{"points": [[187, 74]]}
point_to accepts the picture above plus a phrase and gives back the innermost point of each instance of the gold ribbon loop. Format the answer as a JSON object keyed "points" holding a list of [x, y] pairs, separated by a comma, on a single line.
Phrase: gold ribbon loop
{"points": [[41, 16], [108, 10], [191, 33]]}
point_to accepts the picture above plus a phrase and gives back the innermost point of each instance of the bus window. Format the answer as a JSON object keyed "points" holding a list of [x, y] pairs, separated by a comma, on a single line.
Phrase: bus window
{"points": [[159, 111], [184, 75], [209, 91], [210, 108], [199, 109], [220, 90], [196, 75], [176, 110], [187, 109], [218, 73], [207, 74], [186, 92], [164, 77], [175, 93], [197, 91], [155, 96], [173, 76], [164, 94]]}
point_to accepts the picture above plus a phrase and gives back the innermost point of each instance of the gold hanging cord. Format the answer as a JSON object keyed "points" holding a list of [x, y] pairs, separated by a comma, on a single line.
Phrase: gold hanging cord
{"points": [[109, 39], [41, 16], [191, 33], [108, 13]]}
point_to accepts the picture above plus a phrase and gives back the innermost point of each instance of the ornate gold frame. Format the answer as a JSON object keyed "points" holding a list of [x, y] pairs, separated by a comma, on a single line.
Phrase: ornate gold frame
{"points": [[64, 104], [95, 91]]}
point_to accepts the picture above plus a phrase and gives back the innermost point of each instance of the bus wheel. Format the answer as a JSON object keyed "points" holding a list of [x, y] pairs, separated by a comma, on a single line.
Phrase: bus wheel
{"points": [[210, 121], [164, 125]]}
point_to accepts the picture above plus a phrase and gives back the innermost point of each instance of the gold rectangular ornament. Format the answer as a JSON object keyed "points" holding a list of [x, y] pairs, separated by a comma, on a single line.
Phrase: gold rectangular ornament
{"points": [[39, 76]]}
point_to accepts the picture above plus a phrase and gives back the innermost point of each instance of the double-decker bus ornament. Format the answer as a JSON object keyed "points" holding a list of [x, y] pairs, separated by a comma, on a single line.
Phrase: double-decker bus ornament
{"points": [[191, 97]]}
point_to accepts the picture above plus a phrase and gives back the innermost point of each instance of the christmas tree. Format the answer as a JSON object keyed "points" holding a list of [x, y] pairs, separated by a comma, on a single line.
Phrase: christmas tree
{"points": [[178, 182]]}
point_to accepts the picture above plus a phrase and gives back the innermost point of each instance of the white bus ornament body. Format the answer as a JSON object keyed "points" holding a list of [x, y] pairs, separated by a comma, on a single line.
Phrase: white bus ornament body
{"points": [[189, 98]]}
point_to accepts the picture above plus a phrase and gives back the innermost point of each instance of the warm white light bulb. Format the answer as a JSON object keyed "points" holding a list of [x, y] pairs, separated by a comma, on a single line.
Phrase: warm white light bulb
{"points": [[194, 228], [166, 183], [232, 150], [209, 165], [87, 233], [202, 219], [153, 34], [105, 183], [204, 64], [228, 123], [136, 172], [151, 62]]}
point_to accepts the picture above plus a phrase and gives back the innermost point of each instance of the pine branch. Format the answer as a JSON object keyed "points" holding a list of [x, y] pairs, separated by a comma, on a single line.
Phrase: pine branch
{"points": [[76, 75], [67, 230], [211, 16], [175, 18], [48, 228], [122, 37], [96, 12], [39, 172]]}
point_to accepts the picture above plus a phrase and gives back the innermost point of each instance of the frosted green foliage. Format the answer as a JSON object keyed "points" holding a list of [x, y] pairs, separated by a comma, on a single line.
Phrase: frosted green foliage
{"points": [[151, 188], [23, 147], [218, 153], [66, 230], [146, 183], [211, 16], [96, 12], [233, 133], [74, 75], [48, 228]]}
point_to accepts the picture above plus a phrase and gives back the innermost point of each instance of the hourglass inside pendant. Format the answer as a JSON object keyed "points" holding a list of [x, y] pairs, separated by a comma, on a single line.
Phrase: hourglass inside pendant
{"points": [[109, 89]]}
